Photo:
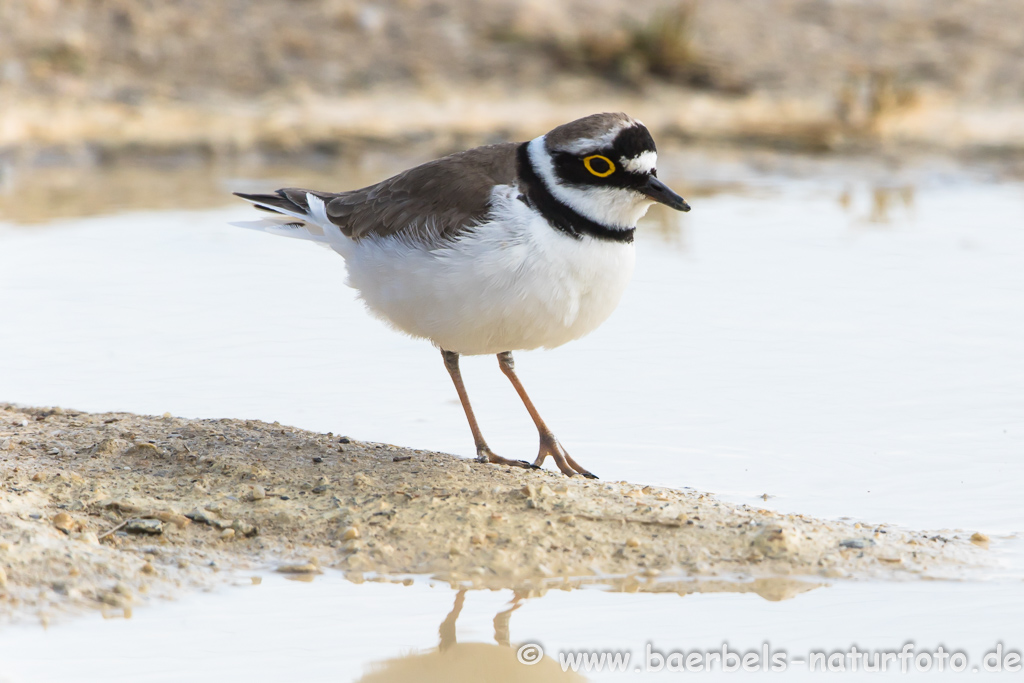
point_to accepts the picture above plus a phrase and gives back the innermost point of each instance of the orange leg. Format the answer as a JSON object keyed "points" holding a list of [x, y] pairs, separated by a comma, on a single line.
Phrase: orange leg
{"points": [[548, 443], [483, 451]]}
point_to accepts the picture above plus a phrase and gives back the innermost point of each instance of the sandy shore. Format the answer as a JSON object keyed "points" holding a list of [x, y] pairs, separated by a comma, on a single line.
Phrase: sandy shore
{"points": [[111, 510], [45, 131]]}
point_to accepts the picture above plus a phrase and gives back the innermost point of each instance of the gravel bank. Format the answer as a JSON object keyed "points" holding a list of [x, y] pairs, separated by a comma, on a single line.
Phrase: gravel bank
{"points": [[111, 510]]}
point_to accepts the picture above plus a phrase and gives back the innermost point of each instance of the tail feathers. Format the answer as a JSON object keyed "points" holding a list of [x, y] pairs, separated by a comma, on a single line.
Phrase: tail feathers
{"points": [[289, 200], [304, 205]]}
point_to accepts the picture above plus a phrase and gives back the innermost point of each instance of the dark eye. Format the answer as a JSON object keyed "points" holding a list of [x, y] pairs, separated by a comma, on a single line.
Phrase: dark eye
{"points": [[598, 165]]}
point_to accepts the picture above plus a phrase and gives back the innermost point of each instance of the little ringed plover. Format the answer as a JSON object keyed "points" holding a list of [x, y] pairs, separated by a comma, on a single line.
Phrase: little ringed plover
{"points": [[496, 249]]}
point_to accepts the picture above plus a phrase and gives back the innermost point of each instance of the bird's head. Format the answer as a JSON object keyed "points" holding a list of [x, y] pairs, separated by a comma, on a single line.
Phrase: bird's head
{"points": [[604, 166]]}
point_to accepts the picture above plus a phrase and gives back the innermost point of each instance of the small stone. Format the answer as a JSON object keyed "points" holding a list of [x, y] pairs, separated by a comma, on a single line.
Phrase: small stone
{"points": [[476, 540], [317, 459], [344, 439], [978, 538], [3, 578], [150, 527], [227, 534], [148, 568], [200, 517], [257, 493], [350, 533], [856, 543], [401, 458], [64, 522], [38, 476], [633, 542], [307, 568], [567, 519]]}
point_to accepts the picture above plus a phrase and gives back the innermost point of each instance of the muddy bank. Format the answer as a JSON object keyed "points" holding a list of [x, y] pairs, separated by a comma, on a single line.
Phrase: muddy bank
{"points": [[110, 510]]}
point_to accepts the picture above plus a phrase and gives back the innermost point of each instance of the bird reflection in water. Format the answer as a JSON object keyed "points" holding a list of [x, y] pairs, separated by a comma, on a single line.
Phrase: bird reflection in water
{"points": [[455, 662]]}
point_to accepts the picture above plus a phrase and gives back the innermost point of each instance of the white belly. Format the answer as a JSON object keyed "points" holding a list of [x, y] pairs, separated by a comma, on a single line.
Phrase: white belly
{"points": [[513, 284]]}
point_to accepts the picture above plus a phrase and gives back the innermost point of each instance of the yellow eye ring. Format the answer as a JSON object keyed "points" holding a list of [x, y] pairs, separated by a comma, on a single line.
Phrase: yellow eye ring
{"points": [[600, 174]]}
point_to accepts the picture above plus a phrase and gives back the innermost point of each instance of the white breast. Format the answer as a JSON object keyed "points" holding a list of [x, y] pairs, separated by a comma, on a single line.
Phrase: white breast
{"points": [[513, 283]]}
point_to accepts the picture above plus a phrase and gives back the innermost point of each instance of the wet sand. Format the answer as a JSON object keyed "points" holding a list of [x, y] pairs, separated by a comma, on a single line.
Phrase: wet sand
{"points": [[112, 510]]}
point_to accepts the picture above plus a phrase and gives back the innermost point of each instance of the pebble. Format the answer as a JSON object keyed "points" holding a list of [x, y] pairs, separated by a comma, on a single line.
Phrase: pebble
{"points": [[64, 522], [151, 527], [978, 538], [257, 493], [3, 578], [148, 568], [350, 533], [307, 568], [633, 542], [227, 534], [201, 517]]}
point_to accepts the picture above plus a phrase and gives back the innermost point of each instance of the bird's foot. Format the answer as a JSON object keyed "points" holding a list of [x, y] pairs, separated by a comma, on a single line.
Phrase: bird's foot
{"points": [[487, 455], [549, 446]]}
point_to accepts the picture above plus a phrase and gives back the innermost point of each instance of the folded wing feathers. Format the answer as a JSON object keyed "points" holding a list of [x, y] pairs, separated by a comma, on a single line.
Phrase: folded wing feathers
{"points": [[429, 203]]}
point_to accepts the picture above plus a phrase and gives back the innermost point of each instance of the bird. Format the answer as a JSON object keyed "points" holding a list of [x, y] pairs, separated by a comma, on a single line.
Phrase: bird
{"points": [[500, 248]]}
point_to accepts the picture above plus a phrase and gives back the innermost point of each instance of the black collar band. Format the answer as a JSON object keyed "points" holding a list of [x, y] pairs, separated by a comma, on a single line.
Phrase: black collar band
{"points": [[561, 216]]}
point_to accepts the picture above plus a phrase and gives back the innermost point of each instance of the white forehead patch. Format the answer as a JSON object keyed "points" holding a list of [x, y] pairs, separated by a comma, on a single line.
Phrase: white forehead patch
{"points": [[607, 139], [645, 162]]}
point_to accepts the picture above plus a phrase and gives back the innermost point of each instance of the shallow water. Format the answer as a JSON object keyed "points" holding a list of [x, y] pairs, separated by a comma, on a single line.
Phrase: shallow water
{"points": [[847, 342], [333, 630]]}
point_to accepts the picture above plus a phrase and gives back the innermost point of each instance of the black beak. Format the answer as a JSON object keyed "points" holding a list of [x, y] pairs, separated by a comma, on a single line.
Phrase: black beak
{"points": [[661, 193]]}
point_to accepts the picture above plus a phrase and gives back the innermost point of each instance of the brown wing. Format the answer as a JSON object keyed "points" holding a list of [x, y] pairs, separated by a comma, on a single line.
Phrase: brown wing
{"points": [[438, 199]]}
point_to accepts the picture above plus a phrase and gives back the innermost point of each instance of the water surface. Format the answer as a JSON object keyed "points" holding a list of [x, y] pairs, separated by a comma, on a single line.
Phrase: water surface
{"points": [[846, 341]]}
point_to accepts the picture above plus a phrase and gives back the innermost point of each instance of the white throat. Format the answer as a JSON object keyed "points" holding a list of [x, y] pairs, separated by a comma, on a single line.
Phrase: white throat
{"points": [[613, 207]]}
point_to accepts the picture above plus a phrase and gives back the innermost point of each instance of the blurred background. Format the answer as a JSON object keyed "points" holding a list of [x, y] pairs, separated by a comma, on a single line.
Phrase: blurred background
{"points": [[230, 87]]}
